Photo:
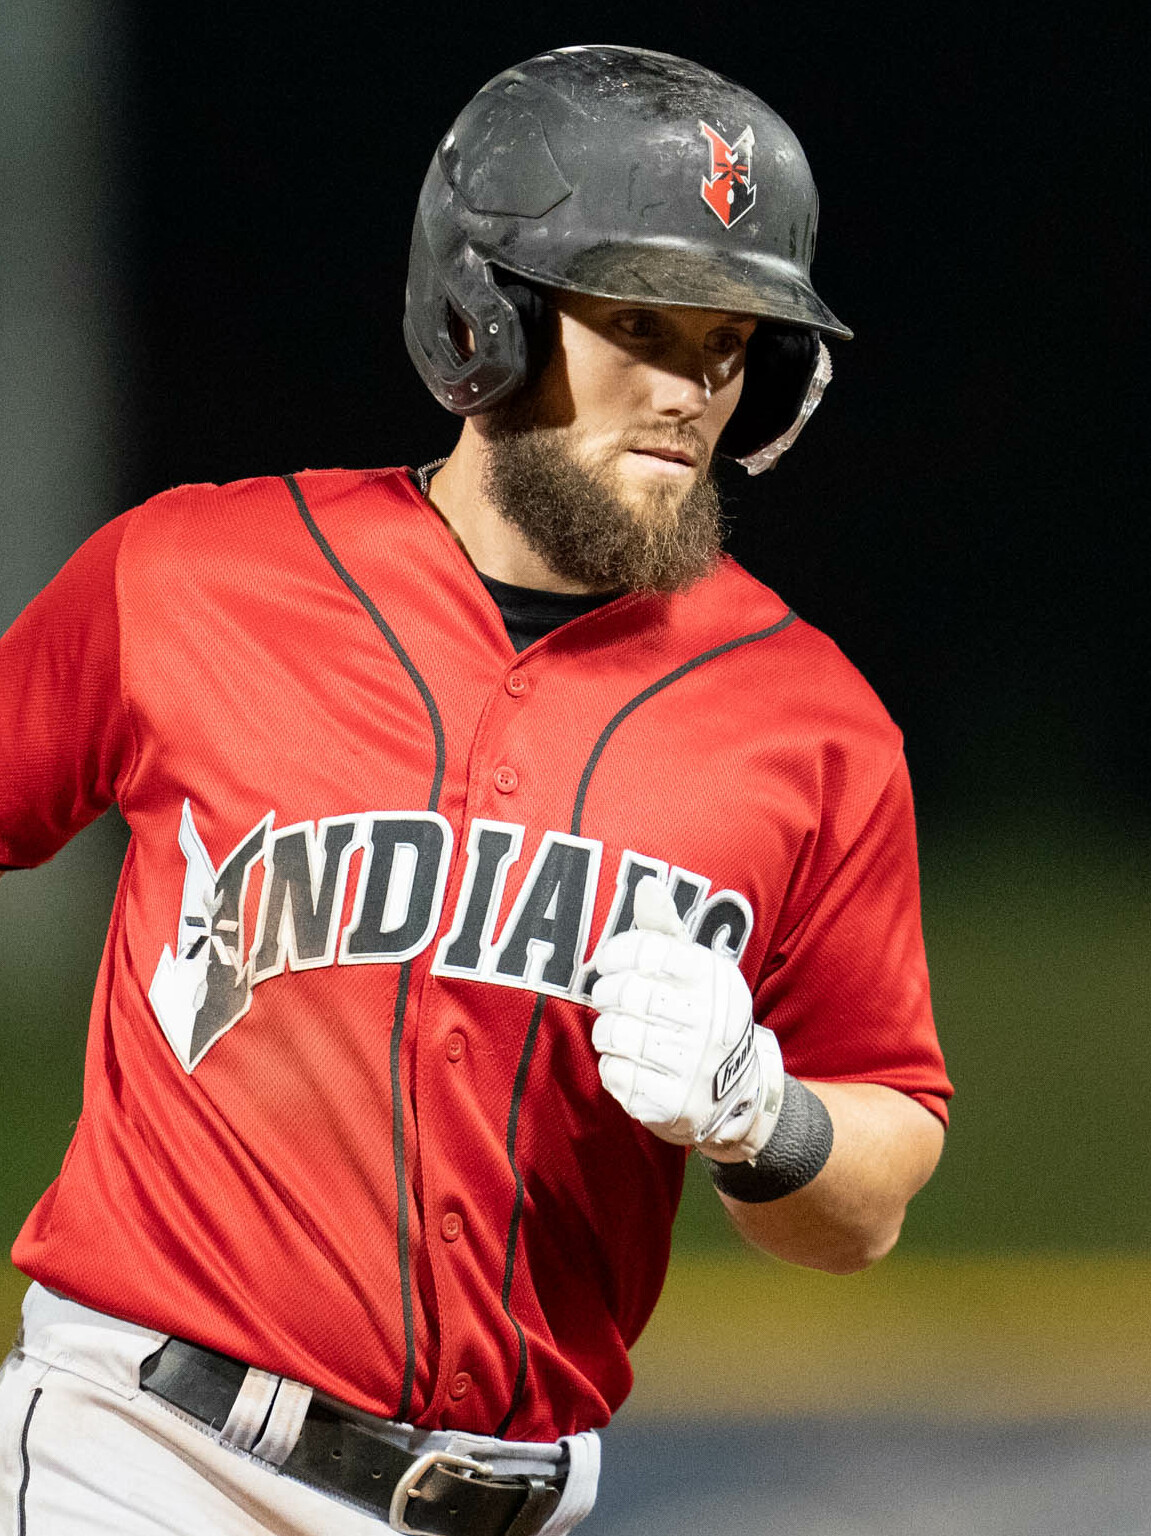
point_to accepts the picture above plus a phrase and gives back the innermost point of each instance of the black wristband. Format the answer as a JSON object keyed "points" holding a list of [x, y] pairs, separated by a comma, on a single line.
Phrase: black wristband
{"points": [[796, 1151]]}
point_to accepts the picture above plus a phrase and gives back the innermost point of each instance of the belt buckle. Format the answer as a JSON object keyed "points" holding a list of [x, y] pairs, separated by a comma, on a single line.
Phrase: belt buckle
{"points": [[407, 1488]]}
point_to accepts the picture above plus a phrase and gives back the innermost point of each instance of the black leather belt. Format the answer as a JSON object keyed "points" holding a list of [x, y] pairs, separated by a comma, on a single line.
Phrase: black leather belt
{"points": [[435, 1493]]}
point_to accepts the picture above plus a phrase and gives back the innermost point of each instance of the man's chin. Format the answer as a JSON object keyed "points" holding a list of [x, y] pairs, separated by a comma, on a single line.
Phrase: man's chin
{"points": [[608, 526], [652, 495]]}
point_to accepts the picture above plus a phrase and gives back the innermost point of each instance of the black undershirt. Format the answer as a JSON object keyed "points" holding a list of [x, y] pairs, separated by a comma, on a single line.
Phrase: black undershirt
{"points": [[529, 614]]}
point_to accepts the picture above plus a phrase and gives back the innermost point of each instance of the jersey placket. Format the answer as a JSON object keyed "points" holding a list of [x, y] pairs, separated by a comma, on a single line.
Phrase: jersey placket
{"points": [[463, 1096]]}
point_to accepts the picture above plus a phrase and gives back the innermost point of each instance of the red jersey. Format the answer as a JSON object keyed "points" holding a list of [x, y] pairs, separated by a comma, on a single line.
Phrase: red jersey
{"points": [[342, 1114]]}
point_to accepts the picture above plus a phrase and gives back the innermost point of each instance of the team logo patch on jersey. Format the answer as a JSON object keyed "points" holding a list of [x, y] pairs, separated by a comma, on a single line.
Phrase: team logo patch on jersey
{"points": [[728, 191]]}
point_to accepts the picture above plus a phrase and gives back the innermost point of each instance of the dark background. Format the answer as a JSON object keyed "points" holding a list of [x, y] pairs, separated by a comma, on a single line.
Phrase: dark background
{"points": [[958, 517], [961, 516]]}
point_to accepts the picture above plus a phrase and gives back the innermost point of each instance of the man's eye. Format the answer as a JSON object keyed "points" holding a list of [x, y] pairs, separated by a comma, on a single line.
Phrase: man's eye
{"points": [[639, 325], [726, 343]]}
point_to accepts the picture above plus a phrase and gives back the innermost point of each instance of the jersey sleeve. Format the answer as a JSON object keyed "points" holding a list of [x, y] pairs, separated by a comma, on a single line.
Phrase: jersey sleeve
{"points": [[65, 736], [847, 990]]}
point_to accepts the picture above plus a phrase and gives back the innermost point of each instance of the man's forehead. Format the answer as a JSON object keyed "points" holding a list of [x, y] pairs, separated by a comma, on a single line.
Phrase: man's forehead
{"points": [[571, 299]]}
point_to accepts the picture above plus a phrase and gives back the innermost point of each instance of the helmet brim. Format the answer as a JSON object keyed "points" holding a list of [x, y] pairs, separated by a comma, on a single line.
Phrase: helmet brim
{"points": [[665, 271]]}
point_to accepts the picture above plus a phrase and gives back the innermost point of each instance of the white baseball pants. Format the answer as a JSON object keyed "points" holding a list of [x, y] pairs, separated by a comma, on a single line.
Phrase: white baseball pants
{"points": [[85, 1452]]}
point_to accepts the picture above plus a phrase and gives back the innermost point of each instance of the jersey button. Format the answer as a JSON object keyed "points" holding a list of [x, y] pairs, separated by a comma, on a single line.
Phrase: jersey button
{"points": [[460, 1385], [451, 1227], [516, 684], [505, 779], [455, 1047]]}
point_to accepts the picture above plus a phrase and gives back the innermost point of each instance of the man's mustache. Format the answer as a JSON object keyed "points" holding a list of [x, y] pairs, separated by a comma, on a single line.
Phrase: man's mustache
{"points": [[685, 440]]}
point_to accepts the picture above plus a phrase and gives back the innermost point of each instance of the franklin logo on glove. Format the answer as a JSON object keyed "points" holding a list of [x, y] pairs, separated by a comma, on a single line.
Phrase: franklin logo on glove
{"points": [[731, 1069]]}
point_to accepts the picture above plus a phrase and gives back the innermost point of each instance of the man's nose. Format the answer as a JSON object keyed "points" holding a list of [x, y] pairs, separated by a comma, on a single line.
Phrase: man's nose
{"points": [[680, 387]]}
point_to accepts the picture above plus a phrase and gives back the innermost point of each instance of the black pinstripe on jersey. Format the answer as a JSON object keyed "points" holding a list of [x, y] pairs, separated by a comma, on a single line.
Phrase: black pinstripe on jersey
{"points": [[403, 1234], [597, 751]]}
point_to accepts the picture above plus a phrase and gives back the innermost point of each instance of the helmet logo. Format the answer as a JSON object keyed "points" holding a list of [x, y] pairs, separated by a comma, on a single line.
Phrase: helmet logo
{"points": [[728, 192]]}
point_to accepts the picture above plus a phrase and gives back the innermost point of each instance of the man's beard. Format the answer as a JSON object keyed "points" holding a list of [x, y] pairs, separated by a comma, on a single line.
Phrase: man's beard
{"points": [[571, 514]]}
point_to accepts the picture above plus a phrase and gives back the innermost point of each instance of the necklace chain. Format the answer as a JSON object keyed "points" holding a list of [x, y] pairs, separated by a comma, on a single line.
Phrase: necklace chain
{"points": [[426, 471]]}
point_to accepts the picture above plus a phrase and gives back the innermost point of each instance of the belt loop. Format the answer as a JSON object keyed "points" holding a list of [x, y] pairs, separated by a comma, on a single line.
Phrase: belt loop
{"points": [[541, 1500], [578, 1498], [285, 1422], [253, 1401]]}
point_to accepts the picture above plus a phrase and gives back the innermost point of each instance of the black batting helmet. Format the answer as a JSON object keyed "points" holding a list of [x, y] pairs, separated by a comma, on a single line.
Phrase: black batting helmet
{"points": [[631, 175]]}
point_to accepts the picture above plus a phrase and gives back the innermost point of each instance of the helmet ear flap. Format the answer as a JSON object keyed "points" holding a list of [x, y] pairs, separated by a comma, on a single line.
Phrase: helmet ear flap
{"points": [[533, 310], [504, 315], [780, 364]]}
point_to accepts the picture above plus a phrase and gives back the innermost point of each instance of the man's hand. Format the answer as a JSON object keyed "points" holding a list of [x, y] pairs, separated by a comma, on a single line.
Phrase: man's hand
{"points": [[678, 1045]]}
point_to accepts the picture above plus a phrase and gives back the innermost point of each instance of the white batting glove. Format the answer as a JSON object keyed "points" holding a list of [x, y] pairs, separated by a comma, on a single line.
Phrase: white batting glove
{"points": [[678, 1046]]}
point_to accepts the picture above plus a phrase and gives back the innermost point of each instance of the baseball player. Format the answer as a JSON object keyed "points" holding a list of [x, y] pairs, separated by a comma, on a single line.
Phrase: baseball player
{"points": [[496, 843]]}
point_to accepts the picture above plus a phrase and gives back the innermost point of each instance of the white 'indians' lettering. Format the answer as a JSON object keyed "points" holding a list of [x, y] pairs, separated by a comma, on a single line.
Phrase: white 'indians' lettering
{"points": [[204, 987], [493, 847], [306, 869], [546, 934], [401, 887], [632, 868]]}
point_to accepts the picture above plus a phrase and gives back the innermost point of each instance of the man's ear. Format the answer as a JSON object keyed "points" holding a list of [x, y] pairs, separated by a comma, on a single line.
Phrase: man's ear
{"points": [[461, 333]]}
